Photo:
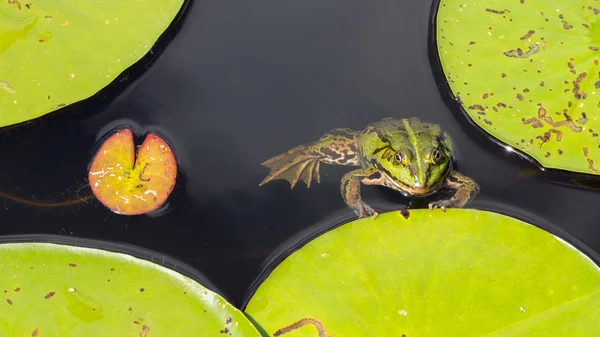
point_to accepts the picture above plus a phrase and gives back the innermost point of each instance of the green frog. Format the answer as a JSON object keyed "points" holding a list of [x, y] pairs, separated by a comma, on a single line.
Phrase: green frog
{"points": [[408, 155]]}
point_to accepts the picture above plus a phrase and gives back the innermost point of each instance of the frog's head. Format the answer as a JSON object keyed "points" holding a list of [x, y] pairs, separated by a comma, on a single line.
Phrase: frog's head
{"points": [[418, 166]]}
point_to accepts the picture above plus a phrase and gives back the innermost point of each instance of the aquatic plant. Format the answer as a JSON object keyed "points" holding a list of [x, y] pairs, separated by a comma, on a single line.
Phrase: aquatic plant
{"points": [[421, 273], [65, 290], [53, 54], [129, 184], [528, 73], [123, 182]]}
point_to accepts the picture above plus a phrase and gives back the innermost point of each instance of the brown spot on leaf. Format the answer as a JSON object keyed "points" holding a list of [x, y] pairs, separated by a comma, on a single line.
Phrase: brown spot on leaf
{"points": [[35, 332], [405, 213], [518, 53], [9, 301], [583, 118], [591, 164], [568, 122], [16, 2], [494, 11], [144, 331], [49, 295], [528, 35], [566, 25], [72, 265], [536, 122], [547, 136]]}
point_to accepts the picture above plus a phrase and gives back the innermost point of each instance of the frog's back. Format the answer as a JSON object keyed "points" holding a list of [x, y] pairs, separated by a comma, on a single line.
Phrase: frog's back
{"points": [[400, 133]]}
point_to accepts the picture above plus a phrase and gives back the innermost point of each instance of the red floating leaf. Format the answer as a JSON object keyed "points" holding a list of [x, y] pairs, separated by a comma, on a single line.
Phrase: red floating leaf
{"points": [[132, 188]]}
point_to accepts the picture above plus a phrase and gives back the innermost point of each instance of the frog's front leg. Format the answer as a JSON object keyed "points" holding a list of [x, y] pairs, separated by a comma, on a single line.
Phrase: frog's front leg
{"points": [[351, 189], [466, 189]]}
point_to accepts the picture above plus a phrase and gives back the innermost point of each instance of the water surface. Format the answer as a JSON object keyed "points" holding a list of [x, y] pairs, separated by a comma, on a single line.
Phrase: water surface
{"points": [[241, 82]]}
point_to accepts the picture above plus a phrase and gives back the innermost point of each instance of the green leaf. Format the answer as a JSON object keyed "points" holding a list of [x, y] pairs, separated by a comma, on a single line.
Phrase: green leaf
{"points": [[528, 73], [50, 289], [55, 53], [459, 273]]}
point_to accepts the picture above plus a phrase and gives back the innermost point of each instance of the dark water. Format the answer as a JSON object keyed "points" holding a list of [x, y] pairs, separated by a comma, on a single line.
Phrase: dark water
{"points": [[241, 82]]}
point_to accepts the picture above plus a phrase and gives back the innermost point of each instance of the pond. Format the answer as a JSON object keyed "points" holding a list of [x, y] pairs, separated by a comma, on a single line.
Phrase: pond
{"points": [[240, 82]]}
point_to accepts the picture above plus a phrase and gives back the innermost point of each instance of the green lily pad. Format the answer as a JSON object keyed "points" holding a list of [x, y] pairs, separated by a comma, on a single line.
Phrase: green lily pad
{"points": [[459, 273], [51, 289], [55, 53], [528, 73]]}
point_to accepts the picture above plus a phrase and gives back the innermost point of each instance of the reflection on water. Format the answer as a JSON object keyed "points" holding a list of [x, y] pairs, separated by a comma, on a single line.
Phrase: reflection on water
{"points": [[243, 81]]}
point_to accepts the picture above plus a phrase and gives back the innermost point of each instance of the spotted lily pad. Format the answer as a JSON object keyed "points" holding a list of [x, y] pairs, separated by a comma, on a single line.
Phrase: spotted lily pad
{"points": [[128, 187], [528, 73], [50, 289], [54, 53], [459, 273]]}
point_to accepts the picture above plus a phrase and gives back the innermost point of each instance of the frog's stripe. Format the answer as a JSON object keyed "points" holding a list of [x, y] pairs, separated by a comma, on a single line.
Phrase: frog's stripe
{"points": [[415, 145]]}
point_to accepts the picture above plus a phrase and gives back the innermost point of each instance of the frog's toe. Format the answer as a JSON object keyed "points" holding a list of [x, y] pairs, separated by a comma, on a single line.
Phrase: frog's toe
{"points": [[443, 204], [363, 210]]}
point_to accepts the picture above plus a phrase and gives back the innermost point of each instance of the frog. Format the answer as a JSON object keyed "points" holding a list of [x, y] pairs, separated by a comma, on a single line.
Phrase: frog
{"points": [[408, 155]]}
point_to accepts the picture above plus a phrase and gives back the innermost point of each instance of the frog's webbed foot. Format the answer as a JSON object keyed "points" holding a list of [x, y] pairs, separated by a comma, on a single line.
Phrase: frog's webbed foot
{"points": [[443, 204], [351, 190], [363, 210], [336, 147], [466, 189], [294, 165]]}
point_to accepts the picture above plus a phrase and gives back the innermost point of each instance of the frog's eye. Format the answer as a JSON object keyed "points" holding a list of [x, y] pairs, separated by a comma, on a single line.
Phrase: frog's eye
{"points": [[399, 157], [436, 156]]}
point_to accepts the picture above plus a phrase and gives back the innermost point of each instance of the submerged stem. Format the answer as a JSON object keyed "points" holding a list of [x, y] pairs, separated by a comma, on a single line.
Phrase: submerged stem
{"points": [[301, 323]]}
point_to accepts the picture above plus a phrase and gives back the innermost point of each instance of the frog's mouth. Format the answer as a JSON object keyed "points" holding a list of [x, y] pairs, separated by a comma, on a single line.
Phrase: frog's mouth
{"points": [[420, 191], [416, 190]]}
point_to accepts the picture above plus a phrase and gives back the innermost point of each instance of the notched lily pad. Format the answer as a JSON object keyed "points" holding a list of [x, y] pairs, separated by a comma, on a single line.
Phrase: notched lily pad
{"points": [[132, 185], [55, 53], [459, 273], [528, 73], [71, 291]]}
